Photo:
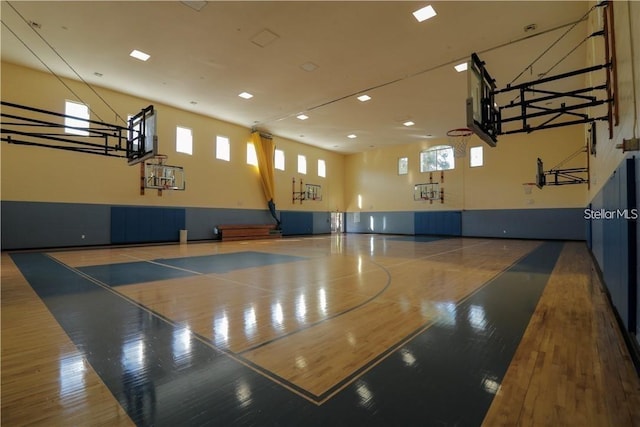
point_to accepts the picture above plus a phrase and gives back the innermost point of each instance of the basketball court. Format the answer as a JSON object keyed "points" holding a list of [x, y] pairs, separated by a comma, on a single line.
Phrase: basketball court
{"points": [[343, 328]]}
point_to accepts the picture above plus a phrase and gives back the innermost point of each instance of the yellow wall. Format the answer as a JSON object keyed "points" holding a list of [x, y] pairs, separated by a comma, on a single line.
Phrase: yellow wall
{"points": [[39, 174], [332, 185], [496, 185], [373, 174], [47, 175], [627, 37], [30, 174]]}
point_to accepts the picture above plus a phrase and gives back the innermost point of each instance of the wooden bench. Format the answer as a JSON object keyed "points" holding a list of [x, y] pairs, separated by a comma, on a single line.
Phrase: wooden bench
{"points": [[248, 232]]}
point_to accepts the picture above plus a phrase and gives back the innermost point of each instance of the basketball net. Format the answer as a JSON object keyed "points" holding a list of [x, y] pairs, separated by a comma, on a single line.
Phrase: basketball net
{"points": [[159, 159], [528, 187], [458, 139]]}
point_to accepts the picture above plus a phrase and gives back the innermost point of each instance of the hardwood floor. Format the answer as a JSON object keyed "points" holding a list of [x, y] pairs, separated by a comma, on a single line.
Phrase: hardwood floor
{"points": [[572, 367], [348, 305], [45, 379]]}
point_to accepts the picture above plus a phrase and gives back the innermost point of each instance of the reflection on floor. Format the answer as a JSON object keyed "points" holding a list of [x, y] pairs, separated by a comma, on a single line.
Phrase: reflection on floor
{"points": [[345, 330]]}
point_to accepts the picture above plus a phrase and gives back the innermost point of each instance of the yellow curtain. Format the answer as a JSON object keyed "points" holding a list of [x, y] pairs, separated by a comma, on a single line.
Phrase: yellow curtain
{"points": [[265, 152]]}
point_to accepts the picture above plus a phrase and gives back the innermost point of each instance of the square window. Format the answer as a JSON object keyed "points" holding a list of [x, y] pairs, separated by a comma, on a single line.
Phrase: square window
{"points": [[223, 149], [130, 134], [475, 156], [79, 112], [322, 168], [302, 164], [252, 157], [184, 140], [403, 165], [279, 159], [438, 158]]}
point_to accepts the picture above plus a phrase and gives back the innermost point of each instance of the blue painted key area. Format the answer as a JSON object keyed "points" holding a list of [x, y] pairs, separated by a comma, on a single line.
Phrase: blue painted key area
{"points": [[224, 263], [171, 268]]}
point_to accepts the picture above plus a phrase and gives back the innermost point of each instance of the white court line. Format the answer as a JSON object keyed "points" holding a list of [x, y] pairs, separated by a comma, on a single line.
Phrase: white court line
{"points": [[165, 265]]}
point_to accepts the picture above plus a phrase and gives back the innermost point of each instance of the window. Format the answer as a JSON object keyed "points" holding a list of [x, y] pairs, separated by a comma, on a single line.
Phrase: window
{"points": [[223, 150], [302, 164], [184, 140], [129, 133], [438, 158], [475, 156], [252, 157], [79, 110], [403, 165], [279, 159], [322, 168]]}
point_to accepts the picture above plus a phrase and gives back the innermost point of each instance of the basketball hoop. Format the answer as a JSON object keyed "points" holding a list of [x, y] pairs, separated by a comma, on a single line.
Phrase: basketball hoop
{"points": [[159, 159], [458, 138], [528, 187]]}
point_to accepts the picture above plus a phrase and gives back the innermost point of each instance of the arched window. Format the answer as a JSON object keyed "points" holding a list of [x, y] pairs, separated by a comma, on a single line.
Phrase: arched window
{"points": [[438, 158]]}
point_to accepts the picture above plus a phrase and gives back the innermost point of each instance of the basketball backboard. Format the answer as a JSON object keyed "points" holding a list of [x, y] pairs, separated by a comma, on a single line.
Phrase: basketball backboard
{"points": [[428, 191], [313, 192], [541, 179], [482, 111], [142, 140], [163, 177]]}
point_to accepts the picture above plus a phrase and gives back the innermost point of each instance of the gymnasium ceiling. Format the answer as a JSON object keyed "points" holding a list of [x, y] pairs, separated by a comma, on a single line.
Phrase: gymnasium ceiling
{"points": [[202, 59]]}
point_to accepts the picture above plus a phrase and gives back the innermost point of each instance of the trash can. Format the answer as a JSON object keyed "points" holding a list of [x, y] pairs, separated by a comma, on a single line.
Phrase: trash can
{"points": [[183, 236]]}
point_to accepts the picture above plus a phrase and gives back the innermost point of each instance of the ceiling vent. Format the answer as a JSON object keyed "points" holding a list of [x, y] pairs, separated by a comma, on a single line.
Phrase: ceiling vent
{"points": [[195, 5], [264, 38], [309, 66]]}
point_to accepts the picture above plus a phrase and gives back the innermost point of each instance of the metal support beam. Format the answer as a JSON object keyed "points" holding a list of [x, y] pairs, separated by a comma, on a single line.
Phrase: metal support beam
{"points": [[24, 125]]}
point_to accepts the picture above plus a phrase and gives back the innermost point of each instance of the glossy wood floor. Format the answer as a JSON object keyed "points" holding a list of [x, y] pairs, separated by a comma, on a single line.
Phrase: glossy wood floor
{"points": [[322, 313], [572, 367]]}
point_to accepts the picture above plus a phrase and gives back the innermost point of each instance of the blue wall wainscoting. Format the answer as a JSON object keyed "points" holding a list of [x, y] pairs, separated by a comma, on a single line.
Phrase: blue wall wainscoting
{"points": [[444, 223], [557, 223], [380, 222], [201, 222], [615, 242], [134, 224], [27, 225], [30, 225], [296, 223], [42, 224]]}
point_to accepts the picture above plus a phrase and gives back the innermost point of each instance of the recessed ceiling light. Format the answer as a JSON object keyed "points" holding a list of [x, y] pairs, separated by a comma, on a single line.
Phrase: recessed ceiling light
{"points": [[364, 98], [424, 13], [408, 123], [352, 136], [302, 116], [245, 95], [461, 67], [139, 55], [309, 66]]}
